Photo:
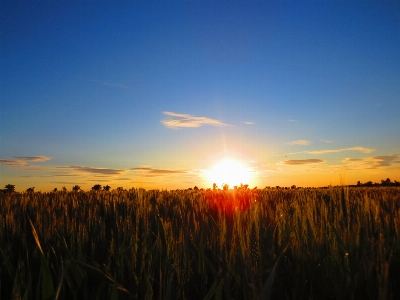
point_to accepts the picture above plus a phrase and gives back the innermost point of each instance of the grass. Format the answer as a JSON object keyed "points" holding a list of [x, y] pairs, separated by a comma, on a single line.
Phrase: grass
{"points": [[337, 243]]}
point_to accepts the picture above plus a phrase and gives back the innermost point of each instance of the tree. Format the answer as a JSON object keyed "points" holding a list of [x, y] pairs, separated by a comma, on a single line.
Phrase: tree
{"points": [[107, 188], [64, 189], [96, 187], [30, 190], [243, 186], [214, 186], [76, 188], [9, 188], [225, 187]]}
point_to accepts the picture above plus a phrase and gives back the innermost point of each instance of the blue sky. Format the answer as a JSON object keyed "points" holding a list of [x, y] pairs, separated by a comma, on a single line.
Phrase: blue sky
{"points": [[154, 94]]}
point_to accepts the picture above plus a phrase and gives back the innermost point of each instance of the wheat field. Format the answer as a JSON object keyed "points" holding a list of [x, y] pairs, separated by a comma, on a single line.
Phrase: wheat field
{"points": [[334, 243]]}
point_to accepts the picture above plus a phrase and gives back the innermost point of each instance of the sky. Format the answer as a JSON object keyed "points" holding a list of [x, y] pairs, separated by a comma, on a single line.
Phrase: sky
{"points": [[156, 94]]}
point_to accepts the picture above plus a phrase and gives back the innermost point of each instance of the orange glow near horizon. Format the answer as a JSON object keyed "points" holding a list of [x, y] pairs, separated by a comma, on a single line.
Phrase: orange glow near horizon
{"points": [[229, 172]]}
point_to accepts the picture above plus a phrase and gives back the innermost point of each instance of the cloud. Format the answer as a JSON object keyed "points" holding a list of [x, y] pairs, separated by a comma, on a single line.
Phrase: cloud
{"points": [[292, 120], [32, 158], [98, 180], [44, 176], [358, 148], [371, 163], [386, 160], [294, 162], [248, 123], [326, 141], [189, 121], [300, 142], [104, 171], [11, 162], [157, 172], [23, 160], [351, 159]]}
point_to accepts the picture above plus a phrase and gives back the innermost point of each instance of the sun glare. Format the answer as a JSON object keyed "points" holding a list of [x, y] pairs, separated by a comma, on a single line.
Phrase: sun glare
{"points": [[229, 172]]}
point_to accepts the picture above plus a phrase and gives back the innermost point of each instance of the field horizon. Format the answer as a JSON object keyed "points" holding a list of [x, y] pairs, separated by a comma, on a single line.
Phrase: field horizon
{"points": [[97, 187]]}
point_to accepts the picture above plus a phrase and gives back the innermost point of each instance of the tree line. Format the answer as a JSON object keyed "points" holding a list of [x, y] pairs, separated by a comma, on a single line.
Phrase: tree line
{"points": [[9, 188], [383, 182]]}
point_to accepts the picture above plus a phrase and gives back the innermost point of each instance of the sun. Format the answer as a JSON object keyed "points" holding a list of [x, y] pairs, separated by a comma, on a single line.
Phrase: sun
{"points": [[229, 172]]}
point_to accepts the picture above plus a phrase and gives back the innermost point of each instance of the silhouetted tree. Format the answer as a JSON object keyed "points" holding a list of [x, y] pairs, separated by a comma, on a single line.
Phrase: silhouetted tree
{"points": [[244, 186], [55, 190], [214, 186], [225, 187], [30, 190], [9, 188], [96, 187], [64, 189], [107, 188], [76, 188]]}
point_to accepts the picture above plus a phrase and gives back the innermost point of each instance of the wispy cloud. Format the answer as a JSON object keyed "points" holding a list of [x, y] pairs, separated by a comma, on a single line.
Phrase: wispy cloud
{"points": [[11, 162], [104, 171], [303, 161], [292, 121], [98, 180], [327, 141], [189, 121], [358, 148], [46, 176], [374, 162], [23, 160], [300, 142], [248, 123], [386, 160], [351, 160], [32, 158], [369, 163], [157, 172]]}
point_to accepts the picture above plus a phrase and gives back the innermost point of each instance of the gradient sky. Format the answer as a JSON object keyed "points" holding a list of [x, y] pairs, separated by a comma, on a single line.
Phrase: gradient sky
{"points": [[154, 94]]}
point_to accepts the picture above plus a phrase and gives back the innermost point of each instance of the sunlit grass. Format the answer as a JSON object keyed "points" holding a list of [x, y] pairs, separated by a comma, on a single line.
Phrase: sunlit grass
{"points": [[337, 243]]}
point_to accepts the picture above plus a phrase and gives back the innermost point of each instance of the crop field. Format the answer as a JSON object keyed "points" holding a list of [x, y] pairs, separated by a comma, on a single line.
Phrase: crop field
{"points": [[334, 243]]}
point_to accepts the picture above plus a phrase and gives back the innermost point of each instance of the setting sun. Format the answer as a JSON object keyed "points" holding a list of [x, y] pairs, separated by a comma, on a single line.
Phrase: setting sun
{"points": [[229, 172]]}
